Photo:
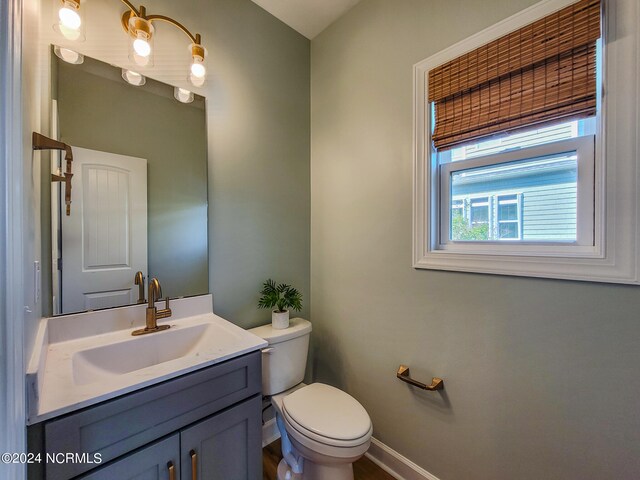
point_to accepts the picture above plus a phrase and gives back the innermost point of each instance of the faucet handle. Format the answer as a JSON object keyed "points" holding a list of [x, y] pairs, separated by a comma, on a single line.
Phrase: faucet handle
{"points": [[166, 311]]}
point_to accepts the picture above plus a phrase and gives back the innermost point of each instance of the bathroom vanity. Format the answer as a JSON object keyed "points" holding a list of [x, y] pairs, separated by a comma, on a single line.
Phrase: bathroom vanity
{"points": [[195, 416]]}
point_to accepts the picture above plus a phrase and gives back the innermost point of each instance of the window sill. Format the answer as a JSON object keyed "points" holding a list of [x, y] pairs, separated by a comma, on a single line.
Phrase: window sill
{"points": [[593, 270]]}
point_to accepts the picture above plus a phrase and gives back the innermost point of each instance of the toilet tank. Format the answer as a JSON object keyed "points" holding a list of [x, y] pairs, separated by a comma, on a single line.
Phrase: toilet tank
{"points": [[285, 359]]}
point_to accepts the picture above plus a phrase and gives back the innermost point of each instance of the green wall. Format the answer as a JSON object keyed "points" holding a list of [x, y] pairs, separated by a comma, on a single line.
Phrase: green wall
{"points": [[100, 111], [258, 133], [541, 376], [259, 147]]}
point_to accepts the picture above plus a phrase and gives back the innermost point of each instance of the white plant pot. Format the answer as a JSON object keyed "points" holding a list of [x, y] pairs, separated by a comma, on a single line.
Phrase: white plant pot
{"points": [[280, 320]]}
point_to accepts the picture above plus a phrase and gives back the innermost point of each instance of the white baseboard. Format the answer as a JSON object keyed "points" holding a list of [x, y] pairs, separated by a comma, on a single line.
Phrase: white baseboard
{"points": [[395, 464], [386, 458], [270, 432]]}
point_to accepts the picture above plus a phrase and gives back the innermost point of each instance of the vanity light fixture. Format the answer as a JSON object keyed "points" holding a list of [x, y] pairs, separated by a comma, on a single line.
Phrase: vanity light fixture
{"points": [[141, 32], [70, 23], [133, 78], [198, 70], [183, 95], [68, 55], [139, 26]]}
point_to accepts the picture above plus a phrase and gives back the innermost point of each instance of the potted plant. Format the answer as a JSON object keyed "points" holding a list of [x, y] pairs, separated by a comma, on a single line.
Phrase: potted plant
{"points": [[282, 297]]}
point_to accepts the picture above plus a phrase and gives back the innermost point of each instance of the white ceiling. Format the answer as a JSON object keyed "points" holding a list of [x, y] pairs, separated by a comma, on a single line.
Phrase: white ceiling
{"points": [[309, 17]]}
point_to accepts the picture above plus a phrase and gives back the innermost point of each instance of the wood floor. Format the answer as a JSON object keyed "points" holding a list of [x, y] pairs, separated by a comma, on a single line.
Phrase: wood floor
{"points": [[363, 469]]}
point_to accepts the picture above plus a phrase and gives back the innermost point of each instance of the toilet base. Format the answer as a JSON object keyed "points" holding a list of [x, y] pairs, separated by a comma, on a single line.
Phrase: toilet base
{"points": [[314, 471], [285, 473]]}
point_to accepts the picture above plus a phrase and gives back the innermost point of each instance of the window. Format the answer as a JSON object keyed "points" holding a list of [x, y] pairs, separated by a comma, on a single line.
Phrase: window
{"points": [[482, 222], [509, 217], [523, 187], [517, 117], [506, 189]]}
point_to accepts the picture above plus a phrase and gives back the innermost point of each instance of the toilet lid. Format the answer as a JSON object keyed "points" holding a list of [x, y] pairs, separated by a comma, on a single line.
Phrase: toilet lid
{"points": [[327, 412]]}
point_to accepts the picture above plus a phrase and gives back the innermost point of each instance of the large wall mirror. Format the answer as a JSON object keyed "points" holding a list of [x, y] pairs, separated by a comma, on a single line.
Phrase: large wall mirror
{"points": [[139, 190]]}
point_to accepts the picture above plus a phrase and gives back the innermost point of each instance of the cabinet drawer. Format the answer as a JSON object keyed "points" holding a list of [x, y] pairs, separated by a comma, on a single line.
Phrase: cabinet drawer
{"points": [[119, 426], [149, 463]]}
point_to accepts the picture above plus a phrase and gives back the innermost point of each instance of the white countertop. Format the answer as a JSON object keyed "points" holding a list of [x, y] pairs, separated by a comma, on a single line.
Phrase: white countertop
{"points": [[82, 359]]}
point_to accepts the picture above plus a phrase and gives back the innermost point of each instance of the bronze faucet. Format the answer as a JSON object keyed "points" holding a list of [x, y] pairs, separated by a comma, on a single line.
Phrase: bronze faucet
{"points": [[139, 280], [153, 314]]}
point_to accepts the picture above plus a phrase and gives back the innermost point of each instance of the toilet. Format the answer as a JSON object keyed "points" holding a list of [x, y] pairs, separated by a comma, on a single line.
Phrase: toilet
{"points": [[323, 430]]}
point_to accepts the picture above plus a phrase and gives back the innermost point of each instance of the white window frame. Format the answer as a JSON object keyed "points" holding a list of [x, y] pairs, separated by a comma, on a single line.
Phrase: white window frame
{"points": [[614, 255], [583, 246]]}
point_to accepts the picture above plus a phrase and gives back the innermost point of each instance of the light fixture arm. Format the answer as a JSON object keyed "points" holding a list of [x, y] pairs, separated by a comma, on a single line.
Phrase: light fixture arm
{"points": [[131, 7], [194, 38], [133, 11]]}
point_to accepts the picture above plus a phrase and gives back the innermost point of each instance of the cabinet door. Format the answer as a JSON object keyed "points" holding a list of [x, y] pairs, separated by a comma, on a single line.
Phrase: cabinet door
{"points": [[159, 461], [227, 446]]}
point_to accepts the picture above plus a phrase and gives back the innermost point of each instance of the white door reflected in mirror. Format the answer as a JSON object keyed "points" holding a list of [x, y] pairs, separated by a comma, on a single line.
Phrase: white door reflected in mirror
{"points": [[104, 240]]}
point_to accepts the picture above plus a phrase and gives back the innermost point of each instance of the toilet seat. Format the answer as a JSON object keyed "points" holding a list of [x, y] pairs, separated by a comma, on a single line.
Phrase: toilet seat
{"points": [[327, 448], [326, 415], [310, 439]]}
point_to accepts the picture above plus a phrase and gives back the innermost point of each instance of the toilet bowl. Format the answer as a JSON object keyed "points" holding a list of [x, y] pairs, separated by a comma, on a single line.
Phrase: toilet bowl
{"points": [[323, 430]]}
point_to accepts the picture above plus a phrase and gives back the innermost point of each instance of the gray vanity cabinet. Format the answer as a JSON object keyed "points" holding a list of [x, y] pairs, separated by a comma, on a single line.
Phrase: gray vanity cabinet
{"points": [[210, 418], [222, 447]]}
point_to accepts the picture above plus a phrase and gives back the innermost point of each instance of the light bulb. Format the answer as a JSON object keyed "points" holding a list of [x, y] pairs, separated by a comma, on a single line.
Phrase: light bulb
{"points": [[183, 95], [133, 78], [197, 69], [68, 55], [141, 46], [69, 17], [196, 81], [69, 23]]}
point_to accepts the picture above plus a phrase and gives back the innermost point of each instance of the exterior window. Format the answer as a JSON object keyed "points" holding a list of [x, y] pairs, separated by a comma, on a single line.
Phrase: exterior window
{"points": [[513, 136], [486, 218], [480, 212], [457, 210], [512, 174], [522, 188], [508, 217]]}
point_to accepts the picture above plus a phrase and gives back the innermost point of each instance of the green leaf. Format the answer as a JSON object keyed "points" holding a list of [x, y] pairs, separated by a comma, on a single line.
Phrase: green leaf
{"points": [[282, 296]]}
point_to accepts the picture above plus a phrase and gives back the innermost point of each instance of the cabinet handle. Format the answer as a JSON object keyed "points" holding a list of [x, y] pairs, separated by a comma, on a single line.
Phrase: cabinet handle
{"points": [[172, 471], [194, 465]]}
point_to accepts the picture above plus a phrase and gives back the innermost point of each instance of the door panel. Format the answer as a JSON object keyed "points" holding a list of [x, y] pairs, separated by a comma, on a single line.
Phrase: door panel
{"points": [[104, 240], [228, 446]]}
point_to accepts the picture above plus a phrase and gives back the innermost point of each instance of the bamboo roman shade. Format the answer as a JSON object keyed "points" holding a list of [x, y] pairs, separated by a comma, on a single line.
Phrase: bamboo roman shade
{"points": [[543, 72]]}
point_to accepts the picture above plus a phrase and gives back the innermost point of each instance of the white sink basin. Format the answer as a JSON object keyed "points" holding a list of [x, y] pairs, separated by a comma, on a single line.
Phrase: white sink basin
{"points": [[86, 358], [100, 363]]}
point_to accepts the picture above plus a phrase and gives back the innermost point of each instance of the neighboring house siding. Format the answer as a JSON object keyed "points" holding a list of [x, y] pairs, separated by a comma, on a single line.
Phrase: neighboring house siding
{"points": [[548, 205], [549, 212]]}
